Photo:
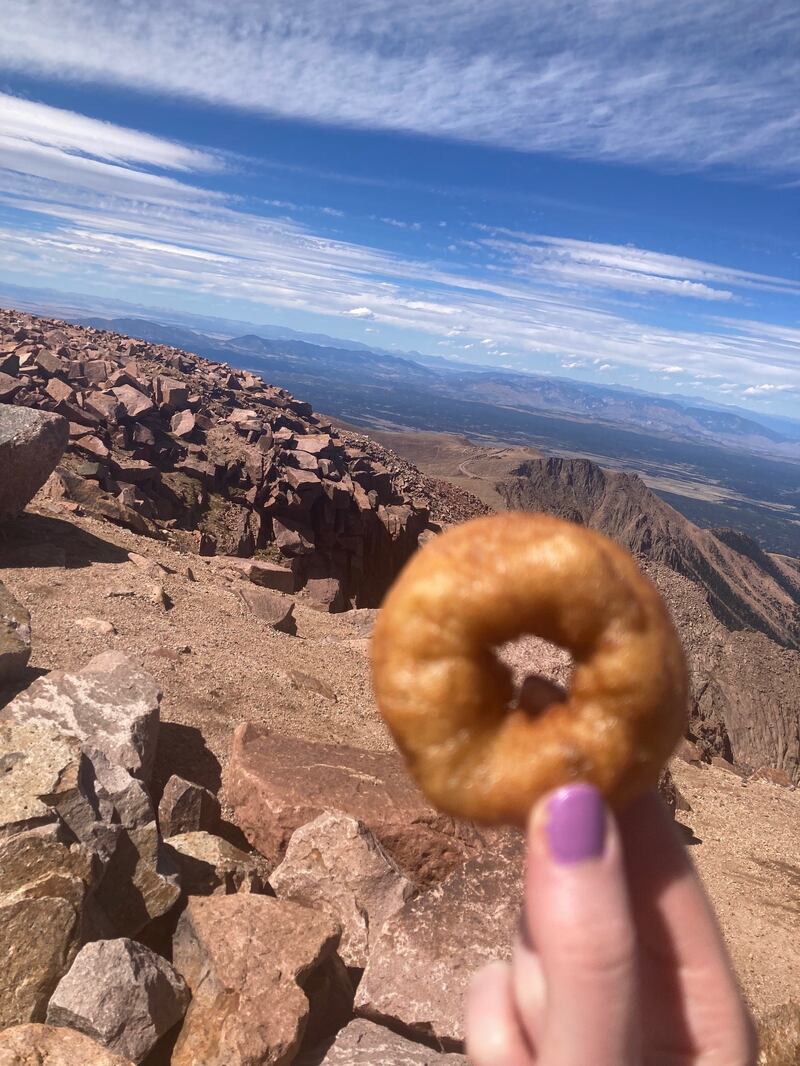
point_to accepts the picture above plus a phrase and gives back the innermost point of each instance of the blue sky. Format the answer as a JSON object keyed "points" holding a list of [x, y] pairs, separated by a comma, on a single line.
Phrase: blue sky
{"points": [[601, 189]]}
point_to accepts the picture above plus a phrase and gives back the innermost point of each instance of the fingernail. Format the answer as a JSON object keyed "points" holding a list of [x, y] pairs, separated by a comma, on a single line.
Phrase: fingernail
{"points": [[576, 824]]}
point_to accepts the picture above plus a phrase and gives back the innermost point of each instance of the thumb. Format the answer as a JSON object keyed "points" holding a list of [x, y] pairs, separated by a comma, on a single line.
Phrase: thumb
{"points": [[577, 915]]}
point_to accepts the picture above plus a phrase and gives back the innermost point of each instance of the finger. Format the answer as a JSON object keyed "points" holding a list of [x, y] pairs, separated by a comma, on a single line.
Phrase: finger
{"points": [[529, 989], [580, 921], [688, 964], [494, 1036]]}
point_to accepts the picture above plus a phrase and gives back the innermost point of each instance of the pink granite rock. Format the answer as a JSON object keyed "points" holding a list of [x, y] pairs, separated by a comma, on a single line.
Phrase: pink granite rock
{"points": [[335, 864], [48, 1045], [247, 959], [277, 783], [31, 443], [363, 1043], [270, 607], [419, 970]]}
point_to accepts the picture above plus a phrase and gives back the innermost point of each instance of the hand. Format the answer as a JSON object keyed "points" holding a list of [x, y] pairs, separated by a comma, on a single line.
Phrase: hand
{"points": [[619, 961]]}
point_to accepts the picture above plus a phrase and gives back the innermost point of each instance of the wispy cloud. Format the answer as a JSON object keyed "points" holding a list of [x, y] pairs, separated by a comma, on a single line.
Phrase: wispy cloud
{"points": [[627, 268], [398, 223], [62, 146], [92, 225], [671, 83]]}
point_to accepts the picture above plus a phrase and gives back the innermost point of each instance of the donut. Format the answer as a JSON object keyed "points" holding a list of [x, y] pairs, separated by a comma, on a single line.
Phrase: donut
{"points": [[477, 749]]}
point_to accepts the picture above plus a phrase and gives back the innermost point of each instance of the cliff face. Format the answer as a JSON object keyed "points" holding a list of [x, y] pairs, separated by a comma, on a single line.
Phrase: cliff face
{"points": [[735, 606], [745, 691], [745, 587], [216, 460]]}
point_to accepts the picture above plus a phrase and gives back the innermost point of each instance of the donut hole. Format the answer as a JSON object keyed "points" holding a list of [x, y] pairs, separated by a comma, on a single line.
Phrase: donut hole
{"points": [[541, 672]]}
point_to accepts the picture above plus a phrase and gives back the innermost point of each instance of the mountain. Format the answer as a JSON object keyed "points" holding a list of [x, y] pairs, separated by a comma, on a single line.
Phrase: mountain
{"points": [[656, 414], [323, 363], [745, 587]]}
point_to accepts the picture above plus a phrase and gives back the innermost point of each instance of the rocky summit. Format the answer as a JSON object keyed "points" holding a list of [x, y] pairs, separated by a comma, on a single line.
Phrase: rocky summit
{"points": [[206, 457], [210, 852]]}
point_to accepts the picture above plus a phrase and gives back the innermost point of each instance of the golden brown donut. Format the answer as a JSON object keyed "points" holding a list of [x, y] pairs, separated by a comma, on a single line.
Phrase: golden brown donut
{"points": [[450, 703]]}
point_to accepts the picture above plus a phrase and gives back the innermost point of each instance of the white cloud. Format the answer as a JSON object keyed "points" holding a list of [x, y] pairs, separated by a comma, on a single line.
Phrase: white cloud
{"points": [[668, 83], [178, 237], [761, 390], [40, 141], [30, 122], [567, 261], [398, 223]]}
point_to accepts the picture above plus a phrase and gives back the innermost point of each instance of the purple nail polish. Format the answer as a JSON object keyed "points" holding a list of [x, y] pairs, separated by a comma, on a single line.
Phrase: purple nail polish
{"points": [[576, 824]]}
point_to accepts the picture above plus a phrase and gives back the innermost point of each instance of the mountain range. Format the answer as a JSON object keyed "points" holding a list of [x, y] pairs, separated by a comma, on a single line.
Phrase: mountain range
{"points": [[675, 418]]}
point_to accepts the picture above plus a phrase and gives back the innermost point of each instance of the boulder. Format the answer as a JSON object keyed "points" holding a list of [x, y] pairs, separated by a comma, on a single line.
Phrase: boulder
{"points": [[122, 799], [15, 637], [292, 538], [9, 386], [246, 959], [35, 761], [170, 392], [363, 1043], [134, 402], [38, 941], [687, 751], [335, 864], [182, 423], [773, 775], [268, 575], [44, 888], [31, 444], [59, 390], [110, 705], [720, 763], [186, 807], [46, 1045], [426, 954], [277, 783], [35, 865], [140, 881], [270, 607], [121, 994], [325, 593], [208, 865]]}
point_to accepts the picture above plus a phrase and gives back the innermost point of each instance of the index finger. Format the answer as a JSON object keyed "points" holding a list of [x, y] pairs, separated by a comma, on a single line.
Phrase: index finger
{"points": [[686, 966]]}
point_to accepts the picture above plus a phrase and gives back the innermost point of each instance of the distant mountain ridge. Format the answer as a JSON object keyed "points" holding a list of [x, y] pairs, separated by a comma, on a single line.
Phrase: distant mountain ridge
{"points": [[659, 415], [746, 587]]}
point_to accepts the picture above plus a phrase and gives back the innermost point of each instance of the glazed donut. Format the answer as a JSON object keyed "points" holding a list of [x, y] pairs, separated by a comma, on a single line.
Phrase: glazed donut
{"points": [[474, 748]]}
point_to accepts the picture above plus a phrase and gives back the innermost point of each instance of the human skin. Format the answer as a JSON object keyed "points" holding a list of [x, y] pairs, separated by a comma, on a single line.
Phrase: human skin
{"points": [[619, 960]]}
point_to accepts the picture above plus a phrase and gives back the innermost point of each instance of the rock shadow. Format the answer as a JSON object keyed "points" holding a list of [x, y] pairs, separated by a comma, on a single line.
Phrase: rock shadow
{"points": [[34, 540], [13, 688], [182, 750]]}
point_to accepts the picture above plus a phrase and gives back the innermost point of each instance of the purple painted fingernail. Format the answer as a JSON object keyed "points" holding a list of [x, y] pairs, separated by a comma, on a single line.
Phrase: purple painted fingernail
{"points": [[576, 824]]}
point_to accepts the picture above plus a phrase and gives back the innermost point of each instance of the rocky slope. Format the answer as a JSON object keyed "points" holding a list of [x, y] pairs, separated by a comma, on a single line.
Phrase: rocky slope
{"points": [[746, 588], [169, 444], [141, 886]]}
